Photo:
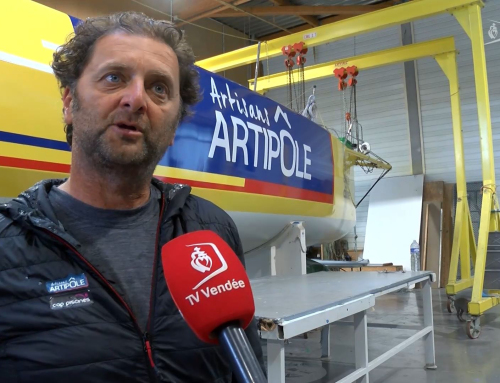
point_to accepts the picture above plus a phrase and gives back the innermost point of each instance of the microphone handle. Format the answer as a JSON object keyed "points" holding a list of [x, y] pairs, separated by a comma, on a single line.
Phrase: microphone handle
{"points": [[243, 361]]}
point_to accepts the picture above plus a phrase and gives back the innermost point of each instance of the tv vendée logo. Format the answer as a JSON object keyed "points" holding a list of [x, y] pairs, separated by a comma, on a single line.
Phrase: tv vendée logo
{"points": [[204, 258]]}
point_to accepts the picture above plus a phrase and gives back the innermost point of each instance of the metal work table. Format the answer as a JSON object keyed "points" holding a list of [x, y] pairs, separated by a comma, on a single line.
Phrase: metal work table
{"points": [[315, 300]]}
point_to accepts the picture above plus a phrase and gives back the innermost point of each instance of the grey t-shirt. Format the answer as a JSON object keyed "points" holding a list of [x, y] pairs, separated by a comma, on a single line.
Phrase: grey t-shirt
{"points": [[119, 243]]}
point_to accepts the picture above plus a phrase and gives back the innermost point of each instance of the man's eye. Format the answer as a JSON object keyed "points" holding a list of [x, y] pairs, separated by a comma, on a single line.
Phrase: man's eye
{"points": [[112, 78], [160, 89]]}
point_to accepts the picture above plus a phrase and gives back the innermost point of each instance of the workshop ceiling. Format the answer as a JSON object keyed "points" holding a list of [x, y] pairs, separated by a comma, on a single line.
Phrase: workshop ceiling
{"points": [[263, 18], [259, 19]]}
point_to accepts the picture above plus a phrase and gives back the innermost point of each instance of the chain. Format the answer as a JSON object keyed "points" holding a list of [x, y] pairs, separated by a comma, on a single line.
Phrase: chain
{"points": [[347, 189], [354, 118], [351, 104], [360, 134], [342, 119], [290, 87], [295, 91], [303, 96], [355, 101], [343, 115]]}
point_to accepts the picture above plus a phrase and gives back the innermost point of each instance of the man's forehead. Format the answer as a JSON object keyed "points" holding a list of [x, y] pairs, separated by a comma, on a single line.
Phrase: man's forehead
{"points": [[116, 45]]}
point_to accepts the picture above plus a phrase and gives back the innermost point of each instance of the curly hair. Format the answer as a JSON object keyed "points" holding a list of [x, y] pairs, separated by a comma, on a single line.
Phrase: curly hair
{"points": [[71, 58]]}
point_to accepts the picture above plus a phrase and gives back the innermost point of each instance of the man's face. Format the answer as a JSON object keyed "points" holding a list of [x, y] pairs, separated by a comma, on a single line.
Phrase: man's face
{"points": [[127, 103]]}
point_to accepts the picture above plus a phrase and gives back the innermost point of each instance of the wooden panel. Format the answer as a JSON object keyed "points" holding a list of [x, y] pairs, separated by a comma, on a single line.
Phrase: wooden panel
{"points": [[447, 234], [424, 237], [433, 246], [436, 251], [433, 191], [355, 254]]}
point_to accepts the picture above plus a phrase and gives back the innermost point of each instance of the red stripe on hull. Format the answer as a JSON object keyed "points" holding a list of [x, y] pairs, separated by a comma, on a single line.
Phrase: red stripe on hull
{"points": [[251, 186], [34, 165], [259, 187]]}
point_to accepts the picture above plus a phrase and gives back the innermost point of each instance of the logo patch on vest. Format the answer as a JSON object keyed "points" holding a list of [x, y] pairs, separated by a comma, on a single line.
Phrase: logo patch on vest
{"points": [[72, 300], [71, 282]]}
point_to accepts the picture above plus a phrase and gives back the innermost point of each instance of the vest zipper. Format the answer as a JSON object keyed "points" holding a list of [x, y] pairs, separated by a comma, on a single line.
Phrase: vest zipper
{"points": [[147, 333], [144, 336], [148, 350]]}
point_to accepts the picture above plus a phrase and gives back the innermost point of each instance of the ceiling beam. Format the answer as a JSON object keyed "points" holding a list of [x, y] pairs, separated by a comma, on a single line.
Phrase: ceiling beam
{"points": [[211, 12], [298, 10], [232, 6], [304, 27], [311, 20], [324, 21]]}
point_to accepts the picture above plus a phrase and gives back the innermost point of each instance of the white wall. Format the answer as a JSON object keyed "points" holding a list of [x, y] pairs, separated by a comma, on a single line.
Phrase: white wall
{"points": [[390, 233]]}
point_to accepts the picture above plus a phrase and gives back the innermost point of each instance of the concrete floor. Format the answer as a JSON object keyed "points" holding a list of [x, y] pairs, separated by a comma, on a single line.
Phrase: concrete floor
{"points": [[459, 359]]}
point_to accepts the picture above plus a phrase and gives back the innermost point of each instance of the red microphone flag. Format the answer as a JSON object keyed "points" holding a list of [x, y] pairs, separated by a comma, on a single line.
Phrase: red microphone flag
{"points": [[208, 283]]}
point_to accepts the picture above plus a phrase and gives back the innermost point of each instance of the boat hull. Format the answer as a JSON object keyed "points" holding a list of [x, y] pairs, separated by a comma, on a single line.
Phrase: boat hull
{"points": [[261, 162]]}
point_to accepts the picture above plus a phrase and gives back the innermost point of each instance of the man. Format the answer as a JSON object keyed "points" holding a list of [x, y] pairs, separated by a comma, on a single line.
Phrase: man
{"points": [[93, 240]]}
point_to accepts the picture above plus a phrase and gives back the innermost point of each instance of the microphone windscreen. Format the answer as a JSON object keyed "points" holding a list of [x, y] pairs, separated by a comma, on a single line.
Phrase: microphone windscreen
{"points": [[207, 282]]}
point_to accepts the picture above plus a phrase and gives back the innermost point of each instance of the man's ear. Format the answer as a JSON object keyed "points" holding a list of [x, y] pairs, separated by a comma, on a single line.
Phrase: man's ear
{"points": [[67, 99]]}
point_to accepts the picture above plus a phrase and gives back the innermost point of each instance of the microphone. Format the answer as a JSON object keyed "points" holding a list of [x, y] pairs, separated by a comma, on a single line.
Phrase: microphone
{"points": [[210, 287]]}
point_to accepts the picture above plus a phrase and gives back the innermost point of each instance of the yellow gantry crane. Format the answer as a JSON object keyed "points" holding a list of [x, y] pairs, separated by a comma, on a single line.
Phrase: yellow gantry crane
{"points": [[468, 14]]}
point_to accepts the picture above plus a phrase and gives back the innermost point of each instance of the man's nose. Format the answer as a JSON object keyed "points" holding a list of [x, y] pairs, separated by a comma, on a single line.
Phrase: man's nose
{"points": [[134, 97]]}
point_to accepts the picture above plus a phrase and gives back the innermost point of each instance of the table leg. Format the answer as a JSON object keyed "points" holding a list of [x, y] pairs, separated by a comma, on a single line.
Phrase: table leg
{"points": [[361, 344], [325, 341], [430, 354], [275, 361]]}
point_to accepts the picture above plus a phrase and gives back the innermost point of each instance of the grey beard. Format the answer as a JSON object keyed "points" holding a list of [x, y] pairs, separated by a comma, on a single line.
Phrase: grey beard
{"points": [[101, 157], [103, 154]]}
